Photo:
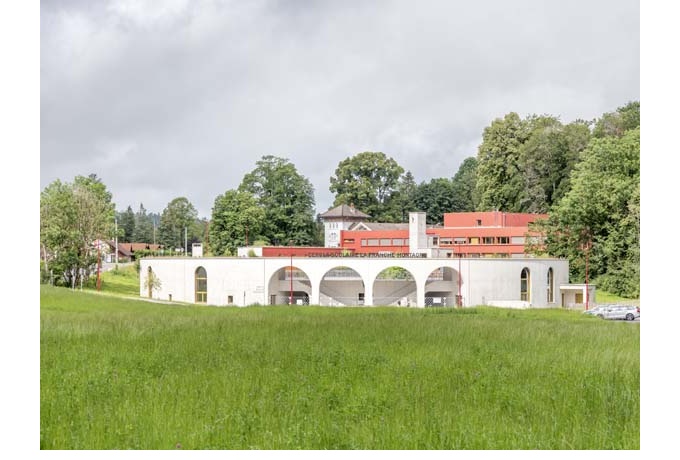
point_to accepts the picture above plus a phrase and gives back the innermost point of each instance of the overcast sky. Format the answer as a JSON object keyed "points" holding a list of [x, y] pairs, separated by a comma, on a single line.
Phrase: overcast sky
{"points": [[181, 98]]}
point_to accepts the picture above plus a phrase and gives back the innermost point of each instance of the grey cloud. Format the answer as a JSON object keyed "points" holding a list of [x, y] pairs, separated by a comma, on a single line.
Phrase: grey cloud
{"points": [[184, 101]]}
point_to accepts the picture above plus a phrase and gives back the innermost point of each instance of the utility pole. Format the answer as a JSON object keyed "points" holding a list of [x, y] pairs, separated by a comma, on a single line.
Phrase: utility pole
{"points": [[459, 300], [116, 221], [290, 301], [586, 245], [99, 264]]}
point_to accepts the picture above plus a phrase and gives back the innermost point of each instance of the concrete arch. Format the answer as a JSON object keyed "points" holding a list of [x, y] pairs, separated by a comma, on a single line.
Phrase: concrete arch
{"points": [[396, 286], [289, 285], [341, 286], [442, 287]]}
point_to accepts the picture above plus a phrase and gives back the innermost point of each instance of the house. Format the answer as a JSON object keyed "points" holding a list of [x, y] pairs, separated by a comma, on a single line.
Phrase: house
{"points": [[126, 251]]}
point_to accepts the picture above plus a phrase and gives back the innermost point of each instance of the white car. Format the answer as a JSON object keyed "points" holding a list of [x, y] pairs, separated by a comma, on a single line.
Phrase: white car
{"points": [[627, 312]]}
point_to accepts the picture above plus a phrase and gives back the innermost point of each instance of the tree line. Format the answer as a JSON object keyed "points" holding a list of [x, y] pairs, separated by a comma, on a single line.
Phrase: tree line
{"points": [[585, 175]]}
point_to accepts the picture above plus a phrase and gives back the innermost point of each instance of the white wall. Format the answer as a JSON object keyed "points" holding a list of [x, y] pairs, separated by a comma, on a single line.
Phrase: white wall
{"points": [[247, 280]]}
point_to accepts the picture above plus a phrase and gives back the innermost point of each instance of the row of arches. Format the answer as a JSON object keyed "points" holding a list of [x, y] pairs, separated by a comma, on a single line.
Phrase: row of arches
{"points": [[344, 286]]}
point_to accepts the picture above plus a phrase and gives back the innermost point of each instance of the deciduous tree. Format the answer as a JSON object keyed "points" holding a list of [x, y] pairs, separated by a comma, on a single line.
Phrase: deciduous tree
{"points": [[72, 218], [237, 219], [287, 198], [178, 224], [368, 180]]}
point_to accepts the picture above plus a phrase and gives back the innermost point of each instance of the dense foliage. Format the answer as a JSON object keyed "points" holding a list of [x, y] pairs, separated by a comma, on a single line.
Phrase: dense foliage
{"points": [[237, 220], [73, 218], [287, 198], [179, 225], [599, 217], [369, 181]]}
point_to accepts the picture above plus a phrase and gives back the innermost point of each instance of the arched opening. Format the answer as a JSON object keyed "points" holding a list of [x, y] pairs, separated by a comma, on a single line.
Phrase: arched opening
{"points": [[525, 285], [551, 286], [289, 285], [201, 285], [441, 288], [395, 286], [341, 286]]}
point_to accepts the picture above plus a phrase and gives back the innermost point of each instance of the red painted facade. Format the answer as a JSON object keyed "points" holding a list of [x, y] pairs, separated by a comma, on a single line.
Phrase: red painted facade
{"points": [[473, 234], [470, 234], [302, 251]]}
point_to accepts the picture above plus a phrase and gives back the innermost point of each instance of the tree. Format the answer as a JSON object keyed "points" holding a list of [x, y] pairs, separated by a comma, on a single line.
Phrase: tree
{"points": [[404, 198], [435, 198], [368, 180], [126, 225], [617, 123], [144, 229], [177, 222], [464, 184], [499, 183], [287, 199], [72, 218], [602, 208], [237, 219]]}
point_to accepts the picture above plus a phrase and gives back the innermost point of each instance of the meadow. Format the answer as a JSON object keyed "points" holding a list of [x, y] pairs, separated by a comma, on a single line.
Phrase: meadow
{"points": [[119, 373]]}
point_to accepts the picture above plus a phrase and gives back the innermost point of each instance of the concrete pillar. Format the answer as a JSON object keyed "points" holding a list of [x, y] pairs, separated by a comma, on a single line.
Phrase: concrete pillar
{"points": [[420, 292], [368, 293]]}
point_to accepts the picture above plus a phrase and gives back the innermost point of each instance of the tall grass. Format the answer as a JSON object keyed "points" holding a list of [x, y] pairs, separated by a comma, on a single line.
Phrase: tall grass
{"points": [[122, 280], [125, 374]]}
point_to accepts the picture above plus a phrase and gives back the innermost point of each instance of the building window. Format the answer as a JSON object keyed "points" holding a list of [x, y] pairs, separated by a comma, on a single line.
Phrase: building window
{"points": [[348, 241], [385, 242], [363, 241], [398, 242], [230, 299], [487, 240], [503, 240], [551, 291], [474, 240], [479, 222], [525, 284], [201, 284], [373, 242], [445, 241], [460, 241]]}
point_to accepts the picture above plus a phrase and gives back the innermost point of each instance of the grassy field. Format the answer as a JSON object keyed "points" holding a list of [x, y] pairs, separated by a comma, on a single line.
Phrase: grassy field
{"points": [[128, 374], [122, 280]]}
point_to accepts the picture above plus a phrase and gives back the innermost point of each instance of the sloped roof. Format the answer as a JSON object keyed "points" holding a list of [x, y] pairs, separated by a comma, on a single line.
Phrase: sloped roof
{"points": [[344, 211], [127, 249], [373, 226]]}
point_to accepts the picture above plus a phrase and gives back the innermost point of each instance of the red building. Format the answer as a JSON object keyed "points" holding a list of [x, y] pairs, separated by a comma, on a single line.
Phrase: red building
{"points": [[463, 234], [471, 234]]}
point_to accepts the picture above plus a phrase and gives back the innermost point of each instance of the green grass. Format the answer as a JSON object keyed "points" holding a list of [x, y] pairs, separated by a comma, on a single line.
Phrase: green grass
{"points": [[122, 280], [128, 374], [606, 297]]}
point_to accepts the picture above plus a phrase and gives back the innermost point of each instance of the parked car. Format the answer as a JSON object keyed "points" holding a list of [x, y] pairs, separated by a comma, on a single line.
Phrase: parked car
{"points": [[627, 312], [596, 311]]}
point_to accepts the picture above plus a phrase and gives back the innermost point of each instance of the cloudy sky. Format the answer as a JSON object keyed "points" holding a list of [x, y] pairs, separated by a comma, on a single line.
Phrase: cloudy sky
{"points": [[163, 99]]}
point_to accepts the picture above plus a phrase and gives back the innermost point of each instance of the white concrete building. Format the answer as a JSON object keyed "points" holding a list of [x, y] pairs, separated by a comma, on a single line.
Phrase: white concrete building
{"points": [[342, 281]]}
